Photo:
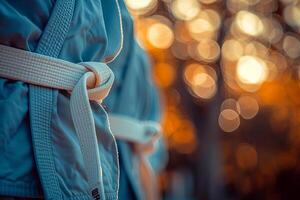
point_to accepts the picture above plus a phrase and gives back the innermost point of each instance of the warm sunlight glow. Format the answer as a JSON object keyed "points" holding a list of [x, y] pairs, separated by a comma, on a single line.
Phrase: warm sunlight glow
{"points": [[249, 23], [251, 70], [185, 9], [160, 35]]}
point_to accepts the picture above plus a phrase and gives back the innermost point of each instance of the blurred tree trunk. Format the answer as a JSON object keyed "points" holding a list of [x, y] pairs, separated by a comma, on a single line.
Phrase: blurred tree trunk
{"points": [[209, 179]]}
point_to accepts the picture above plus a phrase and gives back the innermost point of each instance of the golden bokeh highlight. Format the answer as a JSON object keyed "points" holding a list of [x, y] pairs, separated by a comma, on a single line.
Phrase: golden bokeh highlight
{"points": [[232, 50], [185, 9], [193, 69], [201, 79], [160, 35], [190, 70], [230, 104], [255, 48], [249, 23], [273, 31], [248, 107], [205, 25], [291, 46], [229, 120], [251, 70], [141, 6], [291, 15], [208, 50], [200, 25], [258, 72], [204, 86]]}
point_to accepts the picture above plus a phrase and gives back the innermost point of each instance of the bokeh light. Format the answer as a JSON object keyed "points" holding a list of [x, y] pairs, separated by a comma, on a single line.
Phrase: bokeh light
{"points": [[204, 86], [291, 15], [226, 66], [193, 69], [201, 80], [291, 46], [160, 35], [141, 6], [251, 70], [230, 103], [229, 120], [248, 107], [185, 9], [256, 49], [273, 31], [208, 50], [205, 25], [249, 23], [232, 50]]}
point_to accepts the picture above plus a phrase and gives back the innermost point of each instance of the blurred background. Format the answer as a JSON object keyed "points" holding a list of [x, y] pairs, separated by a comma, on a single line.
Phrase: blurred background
{"points": [[229, 75]]}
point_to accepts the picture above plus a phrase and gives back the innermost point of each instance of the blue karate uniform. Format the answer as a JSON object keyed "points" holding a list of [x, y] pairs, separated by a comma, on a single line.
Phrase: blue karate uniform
{"points": [[40, 154]]}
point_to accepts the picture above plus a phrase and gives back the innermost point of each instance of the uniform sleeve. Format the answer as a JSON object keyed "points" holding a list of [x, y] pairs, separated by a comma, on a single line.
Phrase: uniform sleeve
{"points": [[134, 87]]}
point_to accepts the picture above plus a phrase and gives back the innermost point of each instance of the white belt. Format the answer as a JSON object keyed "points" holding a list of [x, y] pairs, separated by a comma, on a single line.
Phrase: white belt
{"points": [[85, 81], [143, 134], [55, 73], [133, 130]]}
